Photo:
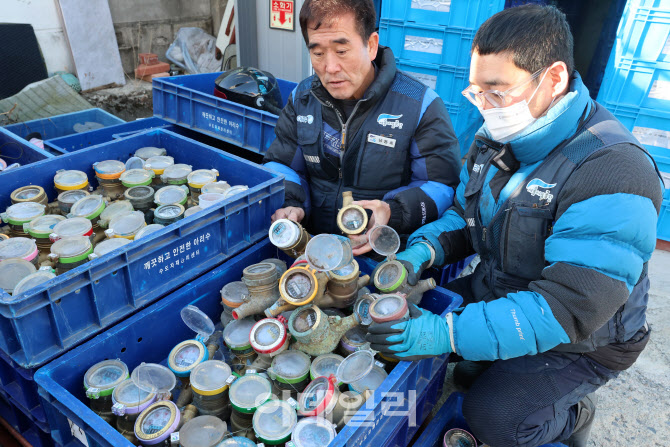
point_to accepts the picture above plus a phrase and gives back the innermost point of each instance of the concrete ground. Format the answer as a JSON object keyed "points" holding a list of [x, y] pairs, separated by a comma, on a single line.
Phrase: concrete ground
{"points": [[634, 409], [130, 102]]}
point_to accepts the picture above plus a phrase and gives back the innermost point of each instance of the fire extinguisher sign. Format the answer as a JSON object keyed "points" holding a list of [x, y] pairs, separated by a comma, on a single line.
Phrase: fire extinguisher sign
{"points": [[282, 15]]}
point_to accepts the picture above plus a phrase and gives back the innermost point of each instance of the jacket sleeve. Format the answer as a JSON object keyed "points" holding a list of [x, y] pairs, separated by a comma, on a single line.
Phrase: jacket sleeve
{"points": [[605, 230], [448, 235], [285, 157], [435, 160]]}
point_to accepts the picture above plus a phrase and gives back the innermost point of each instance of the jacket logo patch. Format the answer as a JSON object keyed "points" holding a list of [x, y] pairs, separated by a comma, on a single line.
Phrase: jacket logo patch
{"points": [[308, 119], [541, 189], [393, 121], [312, 158]]}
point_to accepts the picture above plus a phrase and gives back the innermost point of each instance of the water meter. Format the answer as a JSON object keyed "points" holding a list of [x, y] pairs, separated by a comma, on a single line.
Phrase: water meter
{"points": [[33, 280], [13, 271], [40, 229], [187, 354], [149, 229], [99, 383], [19, 247], [16, 216], [126, 226], [75, 226], [176, 174], [108, 174], [391, 276], [219, 187], [118, 208], [273, 422], [108, 246], [391, 307], [236, 337], [168, 214], [269, 336], [68, 198], [202, 431], [325, 365], [351, 219], [290, 371], [246, 394], [159, 420], [352, 340], [30, 193], [70, 252], [209, 382], [147, 152], [134, 163], [457, 437], [128, 401], [158, 163], [137, 177], [313, 432], [70, 180], [89, 207], [171, 195], [289, 236]]}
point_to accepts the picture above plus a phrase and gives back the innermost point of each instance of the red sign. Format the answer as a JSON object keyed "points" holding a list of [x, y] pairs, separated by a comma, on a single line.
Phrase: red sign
{"points": [[281, 14]]}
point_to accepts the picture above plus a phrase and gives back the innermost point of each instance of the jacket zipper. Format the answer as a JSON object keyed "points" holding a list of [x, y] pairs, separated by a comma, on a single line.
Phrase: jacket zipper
{"points": [[344, 125]]}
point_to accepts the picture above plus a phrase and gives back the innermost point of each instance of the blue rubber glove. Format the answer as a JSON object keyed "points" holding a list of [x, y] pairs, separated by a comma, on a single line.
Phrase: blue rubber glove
{"points": [[423, 335], [416, 259]]}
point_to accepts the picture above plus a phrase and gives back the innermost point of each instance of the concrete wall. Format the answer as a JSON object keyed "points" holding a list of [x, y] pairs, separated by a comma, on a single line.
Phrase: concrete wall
{"points": [[141, 26], [151, 27]]}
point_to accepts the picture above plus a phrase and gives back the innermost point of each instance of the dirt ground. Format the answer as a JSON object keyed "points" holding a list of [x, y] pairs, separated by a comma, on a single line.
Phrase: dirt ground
{"points": [[634, 409]]}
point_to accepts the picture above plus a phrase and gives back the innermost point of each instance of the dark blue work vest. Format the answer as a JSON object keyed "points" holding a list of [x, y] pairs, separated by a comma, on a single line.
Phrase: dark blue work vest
{"points": [[511, 246], [366, 168]]}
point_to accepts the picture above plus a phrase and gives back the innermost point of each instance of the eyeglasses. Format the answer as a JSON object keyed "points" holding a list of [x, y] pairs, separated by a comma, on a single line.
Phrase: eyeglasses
{"points": [[494, 97]]}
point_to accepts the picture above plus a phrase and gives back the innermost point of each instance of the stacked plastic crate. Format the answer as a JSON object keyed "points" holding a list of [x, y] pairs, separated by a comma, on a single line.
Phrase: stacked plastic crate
{"points": [[431, 41], [636, 86]]}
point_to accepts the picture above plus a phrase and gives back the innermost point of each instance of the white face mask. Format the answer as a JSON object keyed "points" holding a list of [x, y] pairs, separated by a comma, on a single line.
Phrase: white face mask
{"points": [[504, 123]]}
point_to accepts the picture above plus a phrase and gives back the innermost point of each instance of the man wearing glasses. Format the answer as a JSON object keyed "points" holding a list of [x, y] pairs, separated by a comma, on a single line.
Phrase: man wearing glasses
{"points": [[560, 201]]}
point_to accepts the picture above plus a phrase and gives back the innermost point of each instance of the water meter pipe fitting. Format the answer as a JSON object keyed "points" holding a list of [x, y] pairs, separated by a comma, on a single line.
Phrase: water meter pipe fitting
{"points": [[343, 287], [298, 286], [391, 277], [263, 284], [315, 332], [351, 219]]}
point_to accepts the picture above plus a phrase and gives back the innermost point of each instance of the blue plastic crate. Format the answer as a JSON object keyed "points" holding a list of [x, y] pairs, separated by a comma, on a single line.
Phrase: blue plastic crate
{"points": [[144, 338], [456, 13], [35, 434], [17, 150], [636, 83], [448, 416], [189, 101], [650, 127], [644, 31], [50, 319], [78, 141], [446, 80], [431, 44], [18, 384], [663, 226], [62, 125]]}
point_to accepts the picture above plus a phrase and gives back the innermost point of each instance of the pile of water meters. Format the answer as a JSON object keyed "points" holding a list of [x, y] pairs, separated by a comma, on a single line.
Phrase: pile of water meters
{"points": [[287, 364], [46, 236]]}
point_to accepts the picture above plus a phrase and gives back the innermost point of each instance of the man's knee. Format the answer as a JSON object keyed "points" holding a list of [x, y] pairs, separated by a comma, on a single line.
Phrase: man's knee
{"points": [[489, 421]]}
